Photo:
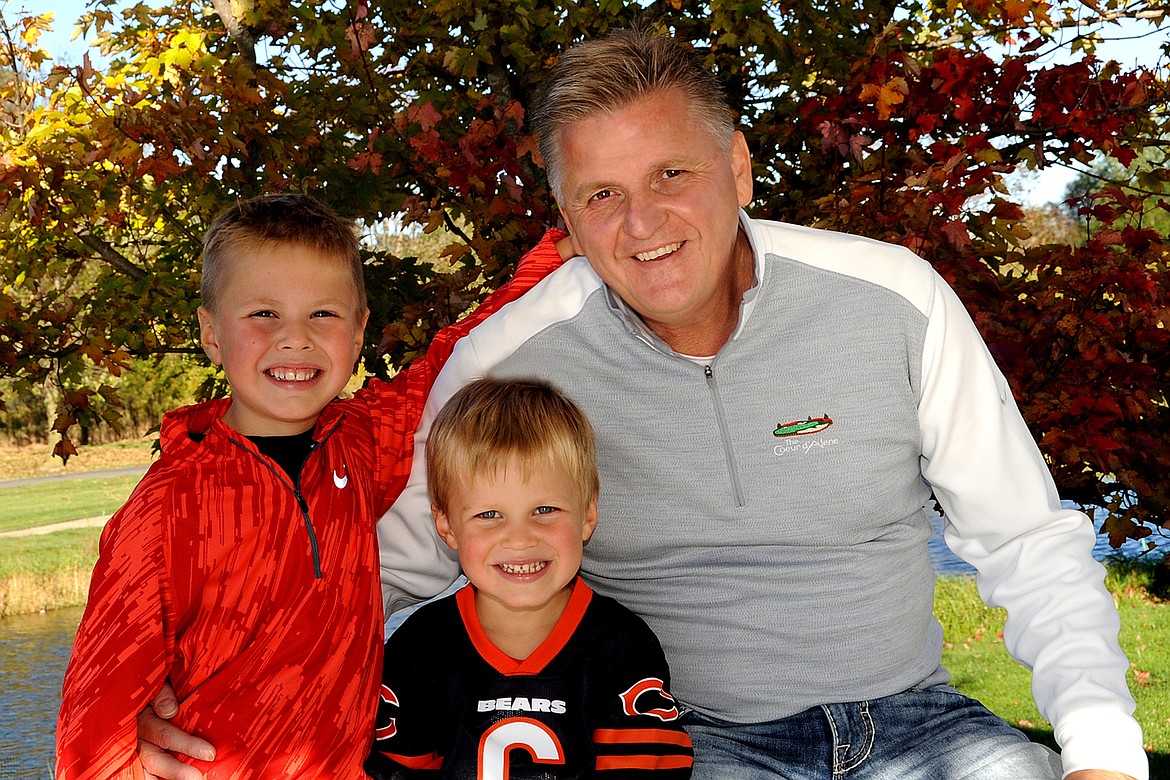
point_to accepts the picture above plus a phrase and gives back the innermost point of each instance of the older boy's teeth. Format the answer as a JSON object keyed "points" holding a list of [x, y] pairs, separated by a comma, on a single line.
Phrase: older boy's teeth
{"points": [[523, 568], [293, 374], [654, 254]]}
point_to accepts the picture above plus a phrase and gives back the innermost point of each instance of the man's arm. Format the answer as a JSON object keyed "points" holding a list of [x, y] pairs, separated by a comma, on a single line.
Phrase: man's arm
{"points": [[416, 565], [1033, 557]]}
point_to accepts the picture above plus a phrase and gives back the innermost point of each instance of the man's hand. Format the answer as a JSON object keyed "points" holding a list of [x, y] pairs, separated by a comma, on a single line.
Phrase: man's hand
{"points": [[157, 736], [1097, 774]]}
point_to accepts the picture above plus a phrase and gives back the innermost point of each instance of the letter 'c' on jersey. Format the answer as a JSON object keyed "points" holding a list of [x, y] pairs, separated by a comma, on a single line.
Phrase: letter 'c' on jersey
{"points": [[516, 734]]}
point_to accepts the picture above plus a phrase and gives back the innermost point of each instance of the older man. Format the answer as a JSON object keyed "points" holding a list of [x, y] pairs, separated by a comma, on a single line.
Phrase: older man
{"points": [[774, 405]]}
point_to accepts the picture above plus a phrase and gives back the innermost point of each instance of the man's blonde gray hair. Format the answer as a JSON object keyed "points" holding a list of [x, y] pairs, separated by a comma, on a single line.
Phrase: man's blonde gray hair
{"points": [[608, 74], [493, 423]]}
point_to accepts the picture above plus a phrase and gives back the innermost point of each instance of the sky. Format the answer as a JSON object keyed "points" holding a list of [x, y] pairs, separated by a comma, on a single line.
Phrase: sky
{"points": [[1140, 48]]}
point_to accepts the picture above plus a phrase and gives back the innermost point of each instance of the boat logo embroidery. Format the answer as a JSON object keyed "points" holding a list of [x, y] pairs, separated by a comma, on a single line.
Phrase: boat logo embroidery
{"points": [[342, 479], [802, 427]]}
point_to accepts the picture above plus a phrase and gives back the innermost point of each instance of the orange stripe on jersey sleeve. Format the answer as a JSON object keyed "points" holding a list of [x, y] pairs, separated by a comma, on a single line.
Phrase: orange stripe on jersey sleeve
{"points": [[643, 762], [643, 736]]}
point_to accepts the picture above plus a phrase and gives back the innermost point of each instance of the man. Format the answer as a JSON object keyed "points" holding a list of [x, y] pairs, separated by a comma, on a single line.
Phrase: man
{"points": [[773, 407]]}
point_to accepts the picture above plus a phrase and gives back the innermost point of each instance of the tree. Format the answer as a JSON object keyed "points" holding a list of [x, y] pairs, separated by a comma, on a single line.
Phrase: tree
{"points": [[881, 118]]}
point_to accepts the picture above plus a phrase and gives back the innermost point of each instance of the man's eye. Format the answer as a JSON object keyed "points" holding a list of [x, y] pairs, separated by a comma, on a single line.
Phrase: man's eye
{"points": [[672, 173], [601, 195]]}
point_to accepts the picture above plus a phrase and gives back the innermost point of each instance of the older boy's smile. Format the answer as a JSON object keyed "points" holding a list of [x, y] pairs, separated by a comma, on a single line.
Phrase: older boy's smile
{"points": [[293, 374]]}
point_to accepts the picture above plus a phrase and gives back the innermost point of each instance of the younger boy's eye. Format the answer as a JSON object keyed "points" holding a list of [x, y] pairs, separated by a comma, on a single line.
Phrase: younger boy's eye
{"points": [[263, 313], [545, 510], [324, 313], [489, 514]]}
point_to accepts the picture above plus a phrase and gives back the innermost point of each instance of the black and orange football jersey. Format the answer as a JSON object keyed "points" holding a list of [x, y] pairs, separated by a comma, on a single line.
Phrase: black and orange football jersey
{"points": [[591, 701]]}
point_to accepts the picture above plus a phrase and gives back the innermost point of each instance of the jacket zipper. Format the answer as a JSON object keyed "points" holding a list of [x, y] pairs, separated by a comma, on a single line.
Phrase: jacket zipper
{"points": [[295, 487], [725, 434]]}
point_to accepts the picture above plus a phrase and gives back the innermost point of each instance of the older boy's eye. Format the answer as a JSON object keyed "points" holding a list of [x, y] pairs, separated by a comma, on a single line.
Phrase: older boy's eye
{"points": [[545, 510], [325, 313], [489, 514], [263, 313]]}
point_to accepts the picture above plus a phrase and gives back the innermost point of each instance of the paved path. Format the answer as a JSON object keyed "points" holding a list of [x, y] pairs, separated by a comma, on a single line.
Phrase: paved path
{"points": [[85, 522], [102, 474]]}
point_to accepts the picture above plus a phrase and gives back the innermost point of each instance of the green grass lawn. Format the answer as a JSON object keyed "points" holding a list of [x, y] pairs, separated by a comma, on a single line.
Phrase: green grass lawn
{"points": [[48, 553], [42, 503], [981, 667]]}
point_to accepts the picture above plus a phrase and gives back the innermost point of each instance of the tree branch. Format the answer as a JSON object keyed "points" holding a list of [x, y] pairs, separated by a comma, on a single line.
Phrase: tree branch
{"points": [[112, 256], [243, 38]]}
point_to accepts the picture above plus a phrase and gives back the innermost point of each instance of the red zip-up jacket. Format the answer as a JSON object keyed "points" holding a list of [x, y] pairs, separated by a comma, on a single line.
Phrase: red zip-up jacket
{"points": [[257, 596]]}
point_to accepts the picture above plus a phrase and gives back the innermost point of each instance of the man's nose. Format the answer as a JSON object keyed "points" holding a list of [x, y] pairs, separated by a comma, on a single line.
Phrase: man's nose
{"points": [[644, 214]]}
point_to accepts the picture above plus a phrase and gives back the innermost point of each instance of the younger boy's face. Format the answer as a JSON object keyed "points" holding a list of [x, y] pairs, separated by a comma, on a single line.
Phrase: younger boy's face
{"points": [[519, 538], [287, 331]]}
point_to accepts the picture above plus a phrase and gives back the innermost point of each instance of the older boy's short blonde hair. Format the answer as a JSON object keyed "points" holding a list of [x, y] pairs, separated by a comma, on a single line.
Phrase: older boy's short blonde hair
{"points": [[290, 218], [491, 421]]}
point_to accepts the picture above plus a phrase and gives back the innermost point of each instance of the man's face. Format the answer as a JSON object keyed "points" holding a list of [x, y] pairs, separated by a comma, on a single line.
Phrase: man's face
{"points": [[652, 201]]}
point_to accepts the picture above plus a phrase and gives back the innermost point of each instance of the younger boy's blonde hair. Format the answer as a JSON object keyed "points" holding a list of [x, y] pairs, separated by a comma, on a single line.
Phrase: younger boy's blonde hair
{"points": [[492, 420], [289, 218]]}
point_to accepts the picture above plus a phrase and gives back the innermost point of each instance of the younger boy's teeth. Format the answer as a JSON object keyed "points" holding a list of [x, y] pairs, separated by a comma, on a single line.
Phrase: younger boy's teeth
{"points": [[292, 374], [654, 254], [523, 568]]}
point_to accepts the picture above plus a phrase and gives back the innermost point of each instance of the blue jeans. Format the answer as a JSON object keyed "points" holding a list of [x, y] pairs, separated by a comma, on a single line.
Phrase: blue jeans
{"points": [[934, 733]]}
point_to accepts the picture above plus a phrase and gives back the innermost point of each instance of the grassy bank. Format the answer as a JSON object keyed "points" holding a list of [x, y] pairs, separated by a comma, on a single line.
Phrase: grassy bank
{"points": [[44, 572]]}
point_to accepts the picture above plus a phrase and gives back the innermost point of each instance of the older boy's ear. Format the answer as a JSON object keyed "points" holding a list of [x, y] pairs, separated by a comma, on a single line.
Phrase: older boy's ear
{"points": [[443, 526], [590, 520], [359, 339], [208, 337]]}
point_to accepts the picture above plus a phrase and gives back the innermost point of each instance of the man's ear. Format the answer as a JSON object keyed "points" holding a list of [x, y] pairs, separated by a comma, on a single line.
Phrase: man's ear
{"points": [[443, 526], [741, 167], [590, 520], [208, 337]]}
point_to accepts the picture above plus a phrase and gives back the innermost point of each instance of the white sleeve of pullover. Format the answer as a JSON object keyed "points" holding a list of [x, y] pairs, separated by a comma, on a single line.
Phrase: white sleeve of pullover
{"points": [[416, 564], [1032, 556]]}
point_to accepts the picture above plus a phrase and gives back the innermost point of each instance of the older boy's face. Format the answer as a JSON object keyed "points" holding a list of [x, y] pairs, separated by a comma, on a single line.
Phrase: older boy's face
{"points": [[288, 331], [520, 538]]}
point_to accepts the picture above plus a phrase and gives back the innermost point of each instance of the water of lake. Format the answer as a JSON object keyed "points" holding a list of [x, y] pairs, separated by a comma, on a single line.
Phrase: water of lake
{"points": [[34, 650]]}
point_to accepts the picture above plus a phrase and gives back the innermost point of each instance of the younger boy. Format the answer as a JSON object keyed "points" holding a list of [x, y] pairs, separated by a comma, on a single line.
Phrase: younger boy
{"points": [[526, 672], [244, 567]]}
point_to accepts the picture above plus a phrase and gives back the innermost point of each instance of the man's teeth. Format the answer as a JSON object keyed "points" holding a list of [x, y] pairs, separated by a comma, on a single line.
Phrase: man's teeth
{"points": [[293, 374], [654, 254], [523, 568]]}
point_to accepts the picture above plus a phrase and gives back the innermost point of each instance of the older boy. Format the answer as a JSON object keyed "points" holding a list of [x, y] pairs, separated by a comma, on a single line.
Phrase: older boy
{"points": [[227, 568], [525, 673]]}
